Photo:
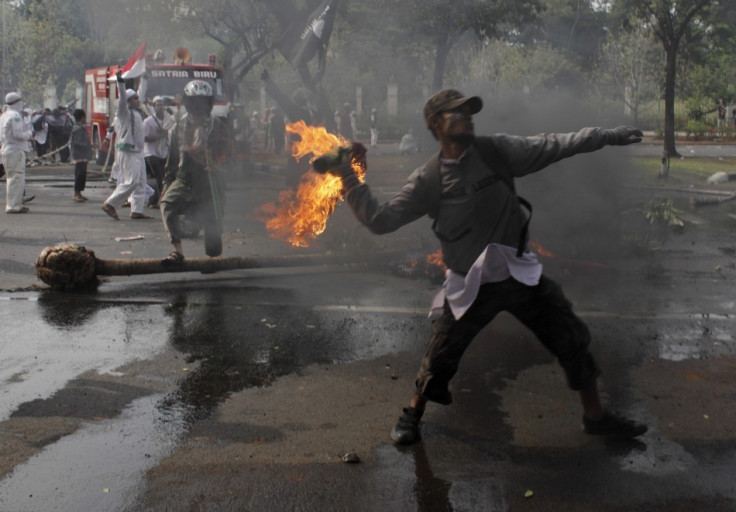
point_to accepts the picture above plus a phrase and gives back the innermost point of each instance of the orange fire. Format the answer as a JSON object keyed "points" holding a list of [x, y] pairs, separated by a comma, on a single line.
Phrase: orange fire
{"points": [[301, 215], [436, 259], [540, 250]]}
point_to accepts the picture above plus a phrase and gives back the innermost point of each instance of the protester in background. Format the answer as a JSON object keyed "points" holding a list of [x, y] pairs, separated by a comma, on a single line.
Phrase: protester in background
{"points": [[80, 153], [255, 128], [240, 131], [345, 125], [15, 135], [373, 126], [721, 108], [41, 131], [129, 155], [468, 189], [298, 107], [408, 143], [110, 144], [354, 123], [266, 126], [156, 148], [60, 129], [277, 130], [337, 120], [193, 185]]}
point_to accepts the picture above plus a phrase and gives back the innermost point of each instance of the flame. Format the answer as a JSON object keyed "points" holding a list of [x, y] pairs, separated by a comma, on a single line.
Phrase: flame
{"points": [[301, 215], [540, 250], [436, 259]]}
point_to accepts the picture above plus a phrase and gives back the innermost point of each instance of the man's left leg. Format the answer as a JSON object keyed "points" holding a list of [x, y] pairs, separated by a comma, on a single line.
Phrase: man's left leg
{"points": [[549, 315]]}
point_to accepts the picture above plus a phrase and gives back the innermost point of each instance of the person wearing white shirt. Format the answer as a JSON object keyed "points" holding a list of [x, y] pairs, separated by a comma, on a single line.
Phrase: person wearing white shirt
{"points": [[156, 130], [15, 136], [129, 155]]}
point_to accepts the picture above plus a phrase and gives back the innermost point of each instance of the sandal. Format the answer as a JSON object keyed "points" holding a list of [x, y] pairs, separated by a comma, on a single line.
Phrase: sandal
{"points": [[110, 210], [174, 259]]}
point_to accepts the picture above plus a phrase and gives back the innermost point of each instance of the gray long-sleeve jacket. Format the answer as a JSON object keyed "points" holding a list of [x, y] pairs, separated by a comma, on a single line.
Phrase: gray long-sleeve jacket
{"points": [[472, 200]]}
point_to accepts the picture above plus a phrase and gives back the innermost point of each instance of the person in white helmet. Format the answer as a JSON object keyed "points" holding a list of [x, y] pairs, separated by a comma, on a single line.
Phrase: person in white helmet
{"points": [[129, 152], [193, 183], [15, 135]]}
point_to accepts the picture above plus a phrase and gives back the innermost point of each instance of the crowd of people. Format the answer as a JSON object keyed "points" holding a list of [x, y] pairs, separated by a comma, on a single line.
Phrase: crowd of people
{"points": [[182, 154]]}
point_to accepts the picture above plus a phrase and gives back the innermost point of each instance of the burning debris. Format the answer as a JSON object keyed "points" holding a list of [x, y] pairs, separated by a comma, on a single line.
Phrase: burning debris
{"points": [[431, 267], [541, 251], [301, 215]]}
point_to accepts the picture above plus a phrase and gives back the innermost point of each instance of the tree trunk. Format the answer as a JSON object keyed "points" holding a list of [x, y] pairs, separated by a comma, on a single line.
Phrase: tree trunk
{"points": [[443, 48], [669, 101]]}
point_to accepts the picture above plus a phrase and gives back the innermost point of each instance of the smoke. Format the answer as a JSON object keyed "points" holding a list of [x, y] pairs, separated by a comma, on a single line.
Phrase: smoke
{"points": [[577, 201]]}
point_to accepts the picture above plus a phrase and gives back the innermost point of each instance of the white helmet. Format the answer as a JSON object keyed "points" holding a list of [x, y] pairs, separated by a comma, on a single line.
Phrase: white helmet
{"points": [[198, 98], [12, 97], [198, 88]]}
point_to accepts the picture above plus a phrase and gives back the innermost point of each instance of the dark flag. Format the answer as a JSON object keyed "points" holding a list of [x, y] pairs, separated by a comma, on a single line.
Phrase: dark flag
{"points": [[303, 40]]}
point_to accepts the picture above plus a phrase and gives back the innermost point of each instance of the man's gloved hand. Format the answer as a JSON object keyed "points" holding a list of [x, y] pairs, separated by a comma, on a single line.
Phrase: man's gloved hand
{"points": [[625, 135]]}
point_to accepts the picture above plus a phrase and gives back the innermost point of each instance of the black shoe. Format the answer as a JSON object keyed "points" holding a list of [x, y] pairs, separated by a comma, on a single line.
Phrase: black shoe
{"points": [[406, 430], [613, 425], [28, 199]]}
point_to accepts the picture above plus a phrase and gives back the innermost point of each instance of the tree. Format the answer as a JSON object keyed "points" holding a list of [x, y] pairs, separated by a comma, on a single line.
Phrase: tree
{"points": [[46, 42], [629, 69], [676, 23], [243, 29], [439, 24], [570, 26]]}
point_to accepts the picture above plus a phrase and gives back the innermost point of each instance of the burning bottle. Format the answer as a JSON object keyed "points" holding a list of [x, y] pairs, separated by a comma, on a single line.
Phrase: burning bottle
{"points": [[333, 159]]}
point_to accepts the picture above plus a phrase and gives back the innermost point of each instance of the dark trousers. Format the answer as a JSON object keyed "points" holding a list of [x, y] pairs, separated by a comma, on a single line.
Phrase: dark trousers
{"points": [[80, 176], [542, 308], [42, 149], [156, 169]]}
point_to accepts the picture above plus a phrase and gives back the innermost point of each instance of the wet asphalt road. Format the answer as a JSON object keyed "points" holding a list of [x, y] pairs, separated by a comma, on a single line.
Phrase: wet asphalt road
{"points": [[243, 390]]}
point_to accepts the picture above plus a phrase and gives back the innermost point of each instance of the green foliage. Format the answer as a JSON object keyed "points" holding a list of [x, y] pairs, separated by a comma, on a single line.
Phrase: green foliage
{"points": [[662, 211], [697, 129], [532, 46], [644, 228]]}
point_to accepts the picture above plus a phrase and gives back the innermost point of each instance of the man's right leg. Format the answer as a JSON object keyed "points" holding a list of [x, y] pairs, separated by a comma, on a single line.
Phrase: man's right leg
{"points": [[170, 211], [447, 344]]}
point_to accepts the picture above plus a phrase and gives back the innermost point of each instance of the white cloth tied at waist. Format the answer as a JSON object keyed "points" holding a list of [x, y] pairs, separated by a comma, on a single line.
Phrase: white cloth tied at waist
{"points": [[496, 263]]}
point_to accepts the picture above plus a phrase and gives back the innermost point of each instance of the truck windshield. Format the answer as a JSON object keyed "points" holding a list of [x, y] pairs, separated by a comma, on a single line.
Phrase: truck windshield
{"points": [[171, 81]]}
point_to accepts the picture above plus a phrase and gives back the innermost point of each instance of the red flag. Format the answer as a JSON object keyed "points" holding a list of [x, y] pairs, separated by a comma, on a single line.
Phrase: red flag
{"points": [[136, 64]]}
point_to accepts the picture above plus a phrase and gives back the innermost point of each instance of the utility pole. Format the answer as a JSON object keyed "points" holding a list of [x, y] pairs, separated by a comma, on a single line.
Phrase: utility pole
{"points": [[5, 33]]}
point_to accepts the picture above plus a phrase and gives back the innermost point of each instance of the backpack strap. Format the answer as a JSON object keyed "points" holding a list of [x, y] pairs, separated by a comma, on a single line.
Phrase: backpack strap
{"points": [[434, 185], [484, 146]]}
